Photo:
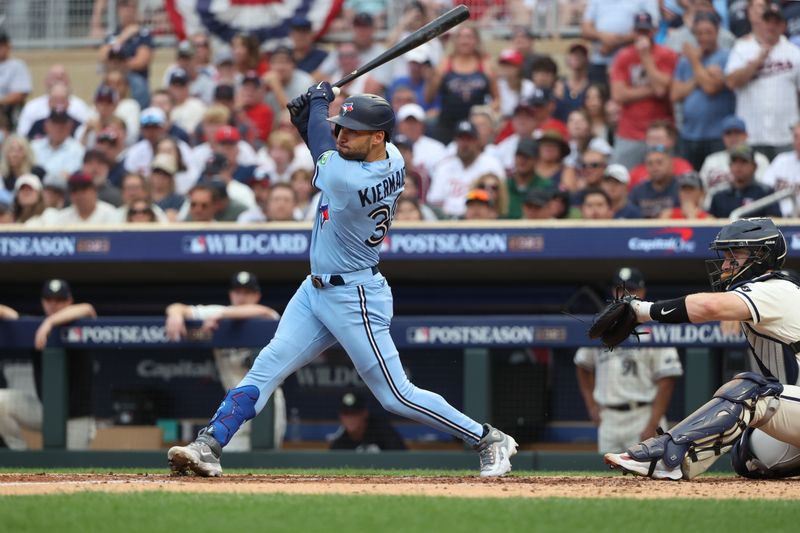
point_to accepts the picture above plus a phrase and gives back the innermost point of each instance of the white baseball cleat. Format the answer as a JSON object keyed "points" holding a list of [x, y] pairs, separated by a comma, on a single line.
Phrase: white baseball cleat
{"points": [[195, 456], [495, 450], [629, 465]]}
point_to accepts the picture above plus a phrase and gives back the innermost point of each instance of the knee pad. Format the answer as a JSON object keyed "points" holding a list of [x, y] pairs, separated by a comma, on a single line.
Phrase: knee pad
{"points": [[238, 407], [760, 456]]}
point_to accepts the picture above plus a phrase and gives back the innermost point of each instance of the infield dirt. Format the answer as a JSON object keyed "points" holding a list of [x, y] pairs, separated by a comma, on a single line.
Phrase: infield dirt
{"points": [[463, 487]]}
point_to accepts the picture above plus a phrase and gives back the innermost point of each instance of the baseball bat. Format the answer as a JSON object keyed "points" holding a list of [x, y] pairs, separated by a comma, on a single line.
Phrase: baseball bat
{"points": [[434, 28]]}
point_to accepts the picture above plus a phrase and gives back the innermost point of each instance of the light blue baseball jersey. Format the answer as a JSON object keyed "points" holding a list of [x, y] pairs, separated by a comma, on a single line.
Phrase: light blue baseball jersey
{"points": [[355, 210]]}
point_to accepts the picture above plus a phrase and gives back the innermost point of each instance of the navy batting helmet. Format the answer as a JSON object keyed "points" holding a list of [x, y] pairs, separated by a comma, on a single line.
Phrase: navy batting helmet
{"points": [[365, 112], [761, 237]]}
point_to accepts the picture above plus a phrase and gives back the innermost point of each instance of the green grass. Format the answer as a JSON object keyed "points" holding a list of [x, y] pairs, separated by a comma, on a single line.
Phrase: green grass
{"points": [[174, 513]]}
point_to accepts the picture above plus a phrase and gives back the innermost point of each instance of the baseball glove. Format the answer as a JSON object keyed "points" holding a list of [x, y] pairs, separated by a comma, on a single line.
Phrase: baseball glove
{"points": [[616, 322]]}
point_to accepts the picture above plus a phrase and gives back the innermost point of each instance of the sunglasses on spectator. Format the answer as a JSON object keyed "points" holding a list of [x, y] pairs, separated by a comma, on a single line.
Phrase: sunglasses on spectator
{"points": [[142, 211], [660, 148]]}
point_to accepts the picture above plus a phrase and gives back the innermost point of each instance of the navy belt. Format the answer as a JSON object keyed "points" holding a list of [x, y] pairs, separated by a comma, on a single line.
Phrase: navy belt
{"points": [[335, 279], [626, 406]]}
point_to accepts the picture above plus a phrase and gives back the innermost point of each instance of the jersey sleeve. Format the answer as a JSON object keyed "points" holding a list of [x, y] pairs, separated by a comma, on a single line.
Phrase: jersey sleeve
{"points": [[584, 358], [666, 363], [766, 299], [736, 59], [330, 176], [202, 312]]}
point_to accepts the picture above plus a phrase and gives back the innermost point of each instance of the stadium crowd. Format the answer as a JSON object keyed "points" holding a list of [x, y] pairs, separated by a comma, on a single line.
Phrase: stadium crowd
{"points": [[663, 109]]}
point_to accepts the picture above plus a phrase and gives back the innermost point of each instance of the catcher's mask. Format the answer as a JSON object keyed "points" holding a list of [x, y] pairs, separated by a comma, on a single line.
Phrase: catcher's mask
{"points": [[758, 236]]}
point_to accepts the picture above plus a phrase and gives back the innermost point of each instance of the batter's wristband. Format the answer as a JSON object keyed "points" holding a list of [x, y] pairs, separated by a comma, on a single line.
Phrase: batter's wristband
{"points": [[670, 311]]}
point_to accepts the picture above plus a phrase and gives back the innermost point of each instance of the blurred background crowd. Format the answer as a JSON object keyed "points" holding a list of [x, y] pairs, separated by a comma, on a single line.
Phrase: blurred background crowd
{"points": [[535, 109]]}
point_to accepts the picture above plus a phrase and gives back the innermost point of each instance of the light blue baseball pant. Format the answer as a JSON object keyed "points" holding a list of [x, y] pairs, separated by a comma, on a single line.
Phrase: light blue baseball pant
{"points": [[358, 316]]}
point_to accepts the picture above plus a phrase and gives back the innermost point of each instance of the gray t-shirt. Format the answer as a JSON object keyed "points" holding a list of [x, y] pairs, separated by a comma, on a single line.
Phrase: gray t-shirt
{"points": [[14, 77], [615, 16]]}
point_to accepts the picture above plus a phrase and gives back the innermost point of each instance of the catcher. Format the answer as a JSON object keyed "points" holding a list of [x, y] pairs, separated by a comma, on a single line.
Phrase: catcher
{"points": [[755, 415]]}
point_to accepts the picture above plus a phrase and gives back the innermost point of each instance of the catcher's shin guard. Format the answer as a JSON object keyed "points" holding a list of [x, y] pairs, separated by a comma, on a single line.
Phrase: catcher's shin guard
{"points": [[238, 407], [703, 436]]}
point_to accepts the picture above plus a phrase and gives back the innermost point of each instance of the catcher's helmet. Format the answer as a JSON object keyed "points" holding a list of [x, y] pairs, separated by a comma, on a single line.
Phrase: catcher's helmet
{"points": [[761, 237], [365, 112]]}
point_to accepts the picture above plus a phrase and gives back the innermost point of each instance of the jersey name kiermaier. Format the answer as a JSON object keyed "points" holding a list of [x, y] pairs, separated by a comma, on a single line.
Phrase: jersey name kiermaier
{"points": [[775, 324], [355, 210], [768, 103], [628, 374]]}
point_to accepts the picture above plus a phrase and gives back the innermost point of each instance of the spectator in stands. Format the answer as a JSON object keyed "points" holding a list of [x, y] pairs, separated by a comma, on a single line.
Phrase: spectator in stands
{"points": [[97, 165], [660, 190], [244, 296], [743, 14], [415, 78], [700, 85], [511, 86], [524, 123], [59, 153], [627, 395], [306, 55], [304, 192], [187, 110], [522, 40], [640, 80], [251, 102], [412, 189], [570, 91], [480, 206], [691, 197], [279, 157], [136, 190], [16, 159], [744, 188], [54, 192], [362, 431], [716, 171], [553, 149], [139, 89], [105, 105], [453, 175], [284, 81], [497, 191], [595, 103], [524, 178], [38, 108], [427, 150], [141, 211], [545, 73], [23, 409], [538, 205], [615, 183], [696, 10], [132, 40], [163, 100], [408, 210], [226, 70], [485, 122], [204, 200], [347, 60], [596, 205], [127, 107], [15, 81], [247, 55], [589, 173], [581, 138], [660, 133], [201, 74], [162, 186], [279, 206], [85, 208], [609, 26], [222, 167], [415, 15], [463, 79], [111, 142], [140, 155], [28, 200], [215, 117], [57, 98], [785, 172], [184, 176], [763, 70]]}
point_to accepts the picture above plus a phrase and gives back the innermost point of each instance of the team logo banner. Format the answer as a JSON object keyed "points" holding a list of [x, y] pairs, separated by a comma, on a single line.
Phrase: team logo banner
{"points": [[266, 19]]}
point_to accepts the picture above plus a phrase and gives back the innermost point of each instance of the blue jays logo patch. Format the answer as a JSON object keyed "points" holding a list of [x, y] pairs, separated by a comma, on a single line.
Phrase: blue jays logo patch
{"points": [[324, 214], [347, 107]]}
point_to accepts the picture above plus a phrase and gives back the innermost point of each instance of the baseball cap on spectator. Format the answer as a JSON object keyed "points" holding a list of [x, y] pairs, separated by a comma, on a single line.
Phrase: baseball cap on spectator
{"points": [[227, 134], [260, 177], [706, 16], [299, 22], [352, 402], [55, 182], [282, 50], [617, 172], [251, 76], [540, 96], [58, 114], [164, 163], [106, 93], [56, 288], [79, 180], [363, 19], [511, 56], [178, 76], [528, 147], [630, 277], [733, 123], [479, 196], [690, 179], [553, 136], [108, 135], [153, 116], [31, 180], [224, 93], [578, 47], [245, 280], [402, 141], [419, 54], [223, 56], [465, 128], [599, 145], [410, 111], [773, 11], [744, 152], [185, 49], [642, 21], [538, 197]]}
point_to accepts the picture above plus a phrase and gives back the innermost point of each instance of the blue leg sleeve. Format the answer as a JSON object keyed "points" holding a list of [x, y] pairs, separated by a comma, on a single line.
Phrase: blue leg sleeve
{"points": [[237, 408]]}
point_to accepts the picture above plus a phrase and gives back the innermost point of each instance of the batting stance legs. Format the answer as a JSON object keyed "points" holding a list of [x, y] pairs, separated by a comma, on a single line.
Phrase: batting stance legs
{"points": [[358, 316]]}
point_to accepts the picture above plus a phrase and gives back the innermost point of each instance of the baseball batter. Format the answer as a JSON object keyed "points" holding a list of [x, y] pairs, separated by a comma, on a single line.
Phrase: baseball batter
{"points": [[345, 298], [754, 415], [627, 390]]}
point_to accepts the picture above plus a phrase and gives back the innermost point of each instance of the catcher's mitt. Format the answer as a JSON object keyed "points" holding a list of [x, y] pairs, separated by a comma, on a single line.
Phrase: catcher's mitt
{"points": [[616, 322]]}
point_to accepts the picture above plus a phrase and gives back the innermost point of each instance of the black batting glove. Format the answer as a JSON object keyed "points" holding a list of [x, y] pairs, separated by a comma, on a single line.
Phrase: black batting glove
{"points": [[298, 111], [321, 90]]}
